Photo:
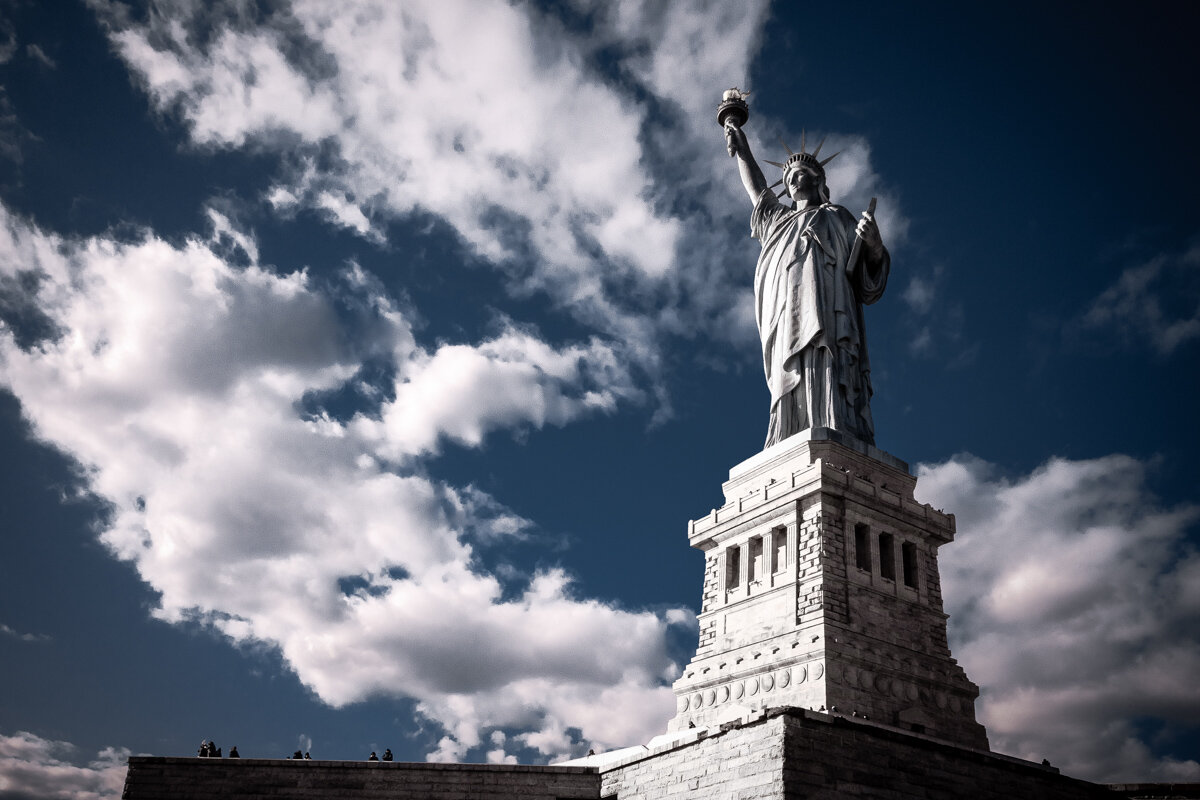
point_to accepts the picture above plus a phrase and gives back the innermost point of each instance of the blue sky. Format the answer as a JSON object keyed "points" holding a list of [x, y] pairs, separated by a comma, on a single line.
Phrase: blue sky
{"points": [[360, 370]]}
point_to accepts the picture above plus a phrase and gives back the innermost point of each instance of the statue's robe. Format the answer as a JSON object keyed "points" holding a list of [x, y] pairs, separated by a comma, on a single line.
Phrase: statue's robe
{"points": [[808, 303]]}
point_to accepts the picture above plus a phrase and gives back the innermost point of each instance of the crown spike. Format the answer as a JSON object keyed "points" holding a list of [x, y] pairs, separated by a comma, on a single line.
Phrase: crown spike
{"points": [[820, 144], [803, 137], [785, 147], [774, 163], [776, 183], [831, 158]]}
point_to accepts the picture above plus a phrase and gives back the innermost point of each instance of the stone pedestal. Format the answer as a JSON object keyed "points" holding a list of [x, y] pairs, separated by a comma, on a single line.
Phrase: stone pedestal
{"points": [[821, 591]]}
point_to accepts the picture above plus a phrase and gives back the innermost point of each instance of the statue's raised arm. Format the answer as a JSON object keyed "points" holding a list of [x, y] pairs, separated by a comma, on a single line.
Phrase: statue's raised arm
{"points": [[818, 267], [732, 114], [752, 174]]}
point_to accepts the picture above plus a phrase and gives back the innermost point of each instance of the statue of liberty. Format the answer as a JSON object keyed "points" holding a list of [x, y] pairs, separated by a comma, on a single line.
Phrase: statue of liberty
{"points": [[817, 269]]}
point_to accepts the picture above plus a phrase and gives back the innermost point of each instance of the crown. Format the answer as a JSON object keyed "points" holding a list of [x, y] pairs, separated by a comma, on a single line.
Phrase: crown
{"points": [[803, 159]]}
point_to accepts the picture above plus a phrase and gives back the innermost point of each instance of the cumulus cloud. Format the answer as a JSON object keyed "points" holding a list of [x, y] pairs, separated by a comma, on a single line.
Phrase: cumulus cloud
{"points": [[465, 110], [176, 380], [1073, 605], [33, 767], [582, 164], [1154, 305], [461, 392], [186, 378]]}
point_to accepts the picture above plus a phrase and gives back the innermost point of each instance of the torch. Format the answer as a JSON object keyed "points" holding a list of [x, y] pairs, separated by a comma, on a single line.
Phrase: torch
{"points": [[733, 108]]}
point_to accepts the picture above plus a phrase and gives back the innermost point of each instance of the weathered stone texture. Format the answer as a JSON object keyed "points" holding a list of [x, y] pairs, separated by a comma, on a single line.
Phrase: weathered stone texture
{"points": [[285, 779], [794, 615], [791, 754], [836, 757], [782, 754], [740, 763]]}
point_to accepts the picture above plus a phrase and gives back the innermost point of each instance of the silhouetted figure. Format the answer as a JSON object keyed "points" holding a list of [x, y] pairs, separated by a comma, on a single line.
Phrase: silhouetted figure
{"points": [[298, 755], [387, 754], [216, 753], [233, 753], [373, 757], [307, 757]]}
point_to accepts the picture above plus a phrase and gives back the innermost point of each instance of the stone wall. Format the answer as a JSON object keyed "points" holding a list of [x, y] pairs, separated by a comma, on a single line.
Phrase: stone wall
{"points": [[713, 591], [790, 754], [280, 779], [739, 763], [782, 754], [835, 757]]}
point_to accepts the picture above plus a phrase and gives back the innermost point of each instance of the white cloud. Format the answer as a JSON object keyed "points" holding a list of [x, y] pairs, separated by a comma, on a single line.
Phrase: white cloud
{"points": [[462, 392], [615, 197], [1155, 304], [341, 210], [490, 522], [457, 108], [224, 230], [245, 88], [173, 376], [31, 766], [175, 380], [499, 756], [24, 637], [1065, 590]]}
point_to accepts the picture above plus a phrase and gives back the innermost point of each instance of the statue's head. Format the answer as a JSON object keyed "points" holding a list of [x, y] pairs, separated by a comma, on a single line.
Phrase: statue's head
{"points": [[802, 170], [804, 176]]}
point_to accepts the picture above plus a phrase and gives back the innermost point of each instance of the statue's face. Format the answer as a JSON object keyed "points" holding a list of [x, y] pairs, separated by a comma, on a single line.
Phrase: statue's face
{"points": [[803, 182]]}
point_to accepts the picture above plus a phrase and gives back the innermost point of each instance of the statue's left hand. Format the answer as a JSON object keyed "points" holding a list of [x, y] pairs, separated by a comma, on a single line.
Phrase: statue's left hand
{"points": [[868, 231]]}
